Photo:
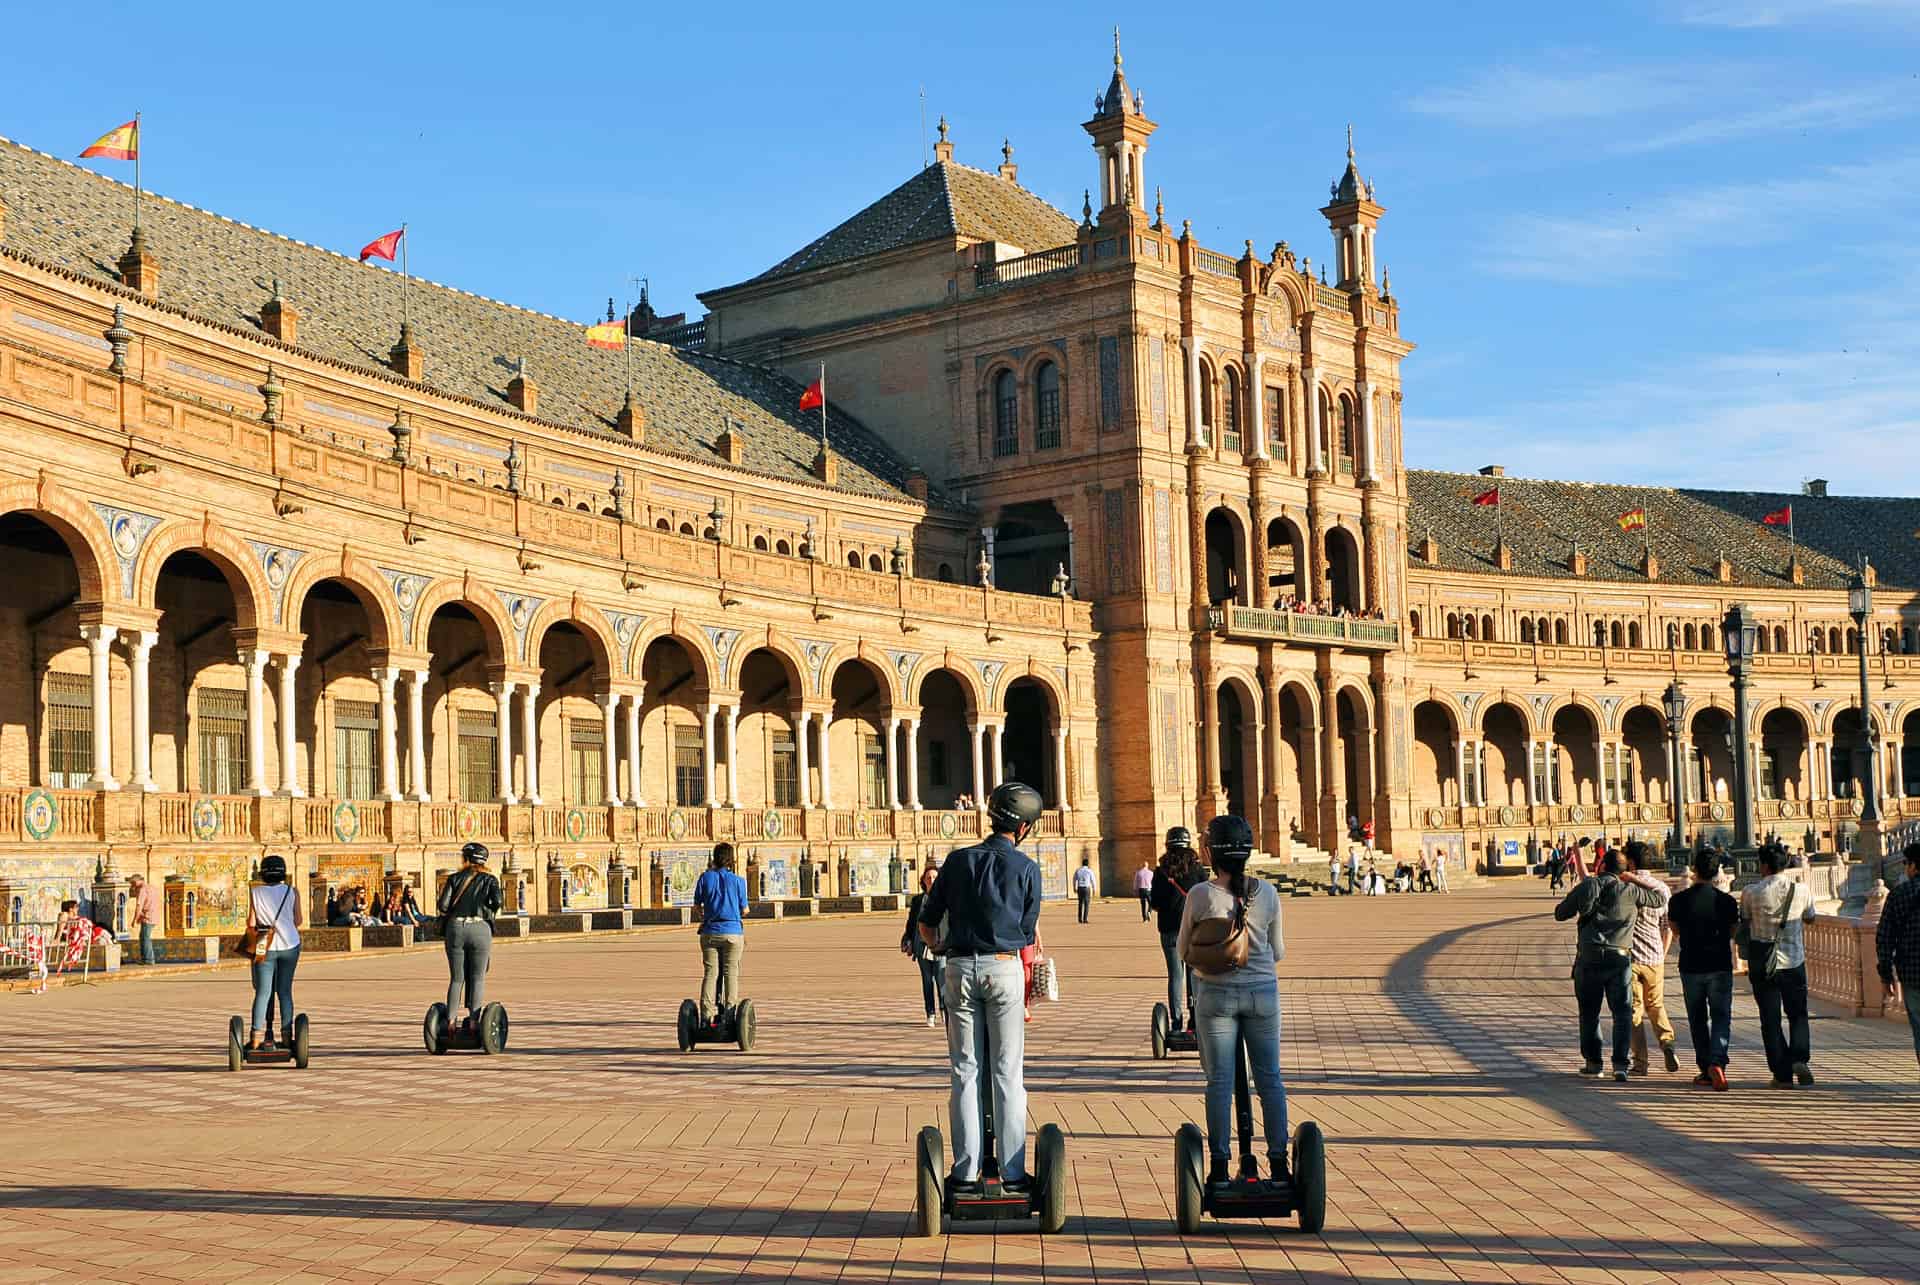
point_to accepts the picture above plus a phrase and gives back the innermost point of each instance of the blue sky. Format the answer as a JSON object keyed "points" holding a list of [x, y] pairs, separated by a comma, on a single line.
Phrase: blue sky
{"points": [[1666, 241]]}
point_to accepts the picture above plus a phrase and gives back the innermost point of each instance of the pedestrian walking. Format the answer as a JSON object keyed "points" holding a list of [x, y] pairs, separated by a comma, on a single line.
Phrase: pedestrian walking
{"points": [[916, 949], [1604, 905], [1440, 870], [1353, 867], [1083, 886], [1333, 874], [1897, 943], [1143, 886], [1772, 911], [1703, 917], [146, 913], [1647, 981]]}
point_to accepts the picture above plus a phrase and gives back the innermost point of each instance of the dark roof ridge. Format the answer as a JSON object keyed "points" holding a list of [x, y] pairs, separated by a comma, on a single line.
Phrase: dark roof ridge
{"points": [[1657, 486]]}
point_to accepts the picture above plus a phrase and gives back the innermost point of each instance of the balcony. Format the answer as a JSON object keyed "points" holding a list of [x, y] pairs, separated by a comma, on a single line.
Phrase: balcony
{"points": [[1030, 267], [1260, 625]]}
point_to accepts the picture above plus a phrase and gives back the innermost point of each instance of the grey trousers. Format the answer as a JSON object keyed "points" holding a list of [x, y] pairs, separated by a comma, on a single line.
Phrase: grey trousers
{"points": [[469, 949], [720, 978], [1176, 979]]}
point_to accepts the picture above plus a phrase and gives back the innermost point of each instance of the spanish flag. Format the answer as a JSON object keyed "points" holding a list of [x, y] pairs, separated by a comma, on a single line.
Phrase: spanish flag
{"points": [[611, 335], [1633, 520], [122, 143]]}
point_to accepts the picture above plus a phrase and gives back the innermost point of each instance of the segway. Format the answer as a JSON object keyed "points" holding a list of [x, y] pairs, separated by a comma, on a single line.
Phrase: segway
{"points": [[297, 1050], [934, 1194], [1168, 1040], [1249, 1195], [486, 1032], [732, 1025]]}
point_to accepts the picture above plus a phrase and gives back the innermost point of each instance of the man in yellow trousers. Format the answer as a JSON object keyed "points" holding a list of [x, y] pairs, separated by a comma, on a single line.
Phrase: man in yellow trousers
{"points": [[1647, 983]]}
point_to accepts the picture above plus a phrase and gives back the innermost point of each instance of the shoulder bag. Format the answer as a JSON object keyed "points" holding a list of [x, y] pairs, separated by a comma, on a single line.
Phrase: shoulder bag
{"points": [[1763, 957], [1219, 944]]}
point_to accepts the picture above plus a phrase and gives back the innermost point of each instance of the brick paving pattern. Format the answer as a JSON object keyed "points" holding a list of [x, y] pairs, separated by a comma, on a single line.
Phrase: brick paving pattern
{"points": [[1432, 1038]]}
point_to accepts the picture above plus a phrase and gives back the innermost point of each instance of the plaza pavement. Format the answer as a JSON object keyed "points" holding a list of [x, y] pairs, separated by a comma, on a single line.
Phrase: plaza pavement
{"points": [[1431, 1036]]}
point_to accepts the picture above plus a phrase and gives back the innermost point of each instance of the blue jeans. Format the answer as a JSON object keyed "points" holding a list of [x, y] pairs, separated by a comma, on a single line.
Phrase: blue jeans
{"points": [[1222, 1013], [146, 943], [1176, 979], [1605, 979], [930, 984], [1912, 994], [1709, 999], [1785, 996], [274, 976], [985, 1003]]}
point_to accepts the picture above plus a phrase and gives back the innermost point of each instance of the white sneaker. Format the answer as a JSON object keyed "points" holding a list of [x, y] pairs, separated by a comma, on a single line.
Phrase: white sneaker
{"points": [[933, 1019]]}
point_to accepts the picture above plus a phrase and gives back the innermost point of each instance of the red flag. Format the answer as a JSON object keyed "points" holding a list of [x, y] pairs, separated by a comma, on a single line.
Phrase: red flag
{"points": [[384, 247], [1488, 497], [812, 397], [1779, 517]]}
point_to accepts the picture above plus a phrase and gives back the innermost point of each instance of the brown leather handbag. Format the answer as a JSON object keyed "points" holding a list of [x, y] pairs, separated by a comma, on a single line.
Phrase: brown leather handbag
{"points": [[1220, 945]]}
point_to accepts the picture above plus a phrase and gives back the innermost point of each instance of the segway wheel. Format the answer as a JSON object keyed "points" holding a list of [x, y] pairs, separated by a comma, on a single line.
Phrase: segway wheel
{"points": [[302, 1050], [236, 1044], [929, 1167], [493, 1029], [689, 1019], [1162, 1023], [744, 1025], [1189, 1172], [433, 1031], [1310, 1176], [1050, 1178]]}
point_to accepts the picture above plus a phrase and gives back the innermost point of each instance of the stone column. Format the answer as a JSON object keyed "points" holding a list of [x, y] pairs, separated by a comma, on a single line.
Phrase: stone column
{"points": [[1210, 735], [1533, 765], [386, 676], [417, 736], [635, 794], [1257, 400], [530, 738], [610, 735], [893, 763], [913, 764], [254, 661], [802, 725], [289, 767], [99, 639], [1459, 771], [708, 715], [1481, 748], [1330, 759], [974, 731], [733, 755], [1060, 769], [1195, 437], [1315, 465], [503, 737], [1370, 470], [826, 760], [139, 653], [999, 763]]}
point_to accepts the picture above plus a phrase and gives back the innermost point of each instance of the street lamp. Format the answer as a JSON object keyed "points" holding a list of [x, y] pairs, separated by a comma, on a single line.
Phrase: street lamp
{"points": [[1860, 607], [1741, 636], [1675, 701]]}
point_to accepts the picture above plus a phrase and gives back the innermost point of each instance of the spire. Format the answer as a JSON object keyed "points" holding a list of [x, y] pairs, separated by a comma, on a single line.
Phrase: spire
{"points": [[1117, 101], [1350, 187]]}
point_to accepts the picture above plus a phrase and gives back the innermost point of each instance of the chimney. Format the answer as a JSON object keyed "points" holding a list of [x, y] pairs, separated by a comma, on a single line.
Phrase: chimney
{"points": [[1796, 573], [1428, 550], [729, 445], [826, 467], [280, 318], [139, 270], [1503, 556], [631, 421], [1008, 170], [943, 150], [917, 484], [522, 392], [405, 357], [1650, 565], [1493, 470], [1816, 487], [1723, 569], [1577, 562]]}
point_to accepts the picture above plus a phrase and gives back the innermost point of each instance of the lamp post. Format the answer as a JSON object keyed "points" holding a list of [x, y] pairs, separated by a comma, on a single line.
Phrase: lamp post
{"points": [[1860, 607], [1675, 701], [1741, 636]]}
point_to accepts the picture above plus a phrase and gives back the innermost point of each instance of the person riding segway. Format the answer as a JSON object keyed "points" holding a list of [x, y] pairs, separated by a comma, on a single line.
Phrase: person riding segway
{"points": [[984, 906], [469, 901], [272, 946], [1179, 870], [720, 904], [1230, 934]]}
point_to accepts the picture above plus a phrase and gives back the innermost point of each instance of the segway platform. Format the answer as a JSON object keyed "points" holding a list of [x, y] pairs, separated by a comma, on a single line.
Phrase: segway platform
{"points": [[734, 1025], [298, 1050], [488, 1034], [1167, 1039], [1249, 1195], [1045, 1198]]}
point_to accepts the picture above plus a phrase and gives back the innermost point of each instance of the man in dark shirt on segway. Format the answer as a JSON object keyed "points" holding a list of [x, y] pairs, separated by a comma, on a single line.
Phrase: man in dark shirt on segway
{"points": [[989, 897]]}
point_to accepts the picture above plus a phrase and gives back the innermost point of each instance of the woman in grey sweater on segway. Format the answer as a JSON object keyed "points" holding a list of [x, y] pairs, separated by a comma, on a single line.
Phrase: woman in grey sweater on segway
{"points": [[468, 903]]}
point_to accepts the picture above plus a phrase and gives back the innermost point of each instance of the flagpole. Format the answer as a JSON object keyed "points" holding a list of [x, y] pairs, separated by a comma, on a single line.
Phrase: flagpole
{"points": [[823, 408], [405, 279], [137, 141]]}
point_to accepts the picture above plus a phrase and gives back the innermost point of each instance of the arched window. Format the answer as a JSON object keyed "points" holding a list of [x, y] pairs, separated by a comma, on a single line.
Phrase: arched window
{"points": [[1486, 629], [946, 572], [1006, 415], [686, 528], [1046, 407], [874, 563], [1633, 633], [1853, 642], [1471, 625], [784, 549], [853, 559], [1230, 419], [1325, 428], [1687, 633], [1413, 622], [1599, 633], [1526, 629], [1540, 629], [1346, 433], [1619, 635], [1833, 640], [1906, 641], [1764, 637], [664, 525], [1560, 632], [1780, 638], [1453, 624], [1206, 400], [760, 543]]}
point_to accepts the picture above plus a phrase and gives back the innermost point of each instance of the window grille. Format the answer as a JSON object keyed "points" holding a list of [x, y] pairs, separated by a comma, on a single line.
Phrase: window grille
{"points": [[69, 730], [689, 768], [355, 725], [222, 741], [786, 771], [479, 755], [587, 760]]}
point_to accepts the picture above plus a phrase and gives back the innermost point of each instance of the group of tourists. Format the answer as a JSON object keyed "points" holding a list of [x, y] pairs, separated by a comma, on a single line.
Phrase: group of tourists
{"points": [[1425, 873]]}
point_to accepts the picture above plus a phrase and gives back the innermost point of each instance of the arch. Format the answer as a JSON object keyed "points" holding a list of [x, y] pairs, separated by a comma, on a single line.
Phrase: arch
{"points": [[1232, 407], [1574, 750], [1004, 403], [1413, 621], [1453, 624], [1520, 711], [663, 525], [1048, 408], [782, 649], [1287, 574], [964, 675], [1486, 629], [360, 579], [1431, 756], [485, 605], [1205, 395], [235, 560], [1226, 552], [760, 544], [1236, 729], [1346, 431], [1346, 575], [1045, 679], [1526, 629], [1783, 738], [875, 565], [1560, 632], [1633, 634], [584, 616], [698, 648], [76, 525], [857, 654], [1030, 712], [783, 548]]}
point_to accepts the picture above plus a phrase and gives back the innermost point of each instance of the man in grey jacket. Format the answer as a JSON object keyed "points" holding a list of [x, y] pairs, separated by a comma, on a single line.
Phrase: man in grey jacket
{"points": [[1605, 905]]}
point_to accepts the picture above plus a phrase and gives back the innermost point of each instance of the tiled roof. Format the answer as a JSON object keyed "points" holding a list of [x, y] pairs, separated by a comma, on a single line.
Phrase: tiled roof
{"points": [[942, 201], [1690, 531], [222, 271]]}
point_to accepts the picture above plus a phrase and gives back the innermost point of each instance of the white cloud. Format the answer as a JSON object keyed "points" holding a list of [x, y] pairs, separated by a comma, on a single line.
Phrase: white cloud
{"points": [[1845, 109], [1508, 97], [1748, 14]]}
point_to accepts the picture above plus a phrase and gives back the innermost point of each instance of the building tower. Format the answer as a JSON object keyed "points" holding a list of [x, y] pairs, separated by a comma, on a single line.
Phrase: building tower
{"points": [[1354, 218], [1120, 130]]}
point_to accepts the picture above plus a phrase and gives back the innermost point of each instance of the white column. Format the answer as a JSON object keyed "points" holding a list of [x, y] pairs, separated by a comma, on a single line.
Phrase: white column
{"points": [[1060, 769], [417, 736], [826, 759], [893, 763], [1533, 765], [1314, 463], [802, 725], [979, 775], [913, 764], [530, 740], [733, 756], [610, 736], [999, 763], [1481, 748], [1192, 347], [254, 662], [1371, 471], [99, 639], [1257, 402], [1460, 769], [389, 742], [707, 716], [139, 651], [635, 795], [503, 737], [289, 765]]}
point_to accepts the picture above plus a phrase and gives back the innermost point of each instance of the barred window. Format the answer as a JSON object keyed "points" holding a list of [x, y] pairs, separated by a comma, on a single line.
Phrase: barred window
{"points": [[1276, 423], [689, 768], [587, 760], [1230, 421], [873, 773], [479, 755], [69, 730], [355, 725], [222, 741], [1006, 415], [786, 771], [1346, 434], [1046, 407]]}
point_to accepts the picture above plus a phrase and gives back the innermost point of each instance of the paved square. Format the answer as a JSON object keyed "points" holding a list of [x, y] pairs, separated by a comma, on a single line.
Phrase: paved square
{"points": [[1432, 1038]]}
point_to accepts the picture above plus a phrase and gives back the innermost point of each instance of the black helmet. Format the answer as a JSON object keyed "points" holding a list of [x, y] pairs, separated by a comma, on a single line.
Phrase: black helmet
{"points": [[1012, 804], [1180, 837], [273, 869], [476, 853], [1229, 837]]}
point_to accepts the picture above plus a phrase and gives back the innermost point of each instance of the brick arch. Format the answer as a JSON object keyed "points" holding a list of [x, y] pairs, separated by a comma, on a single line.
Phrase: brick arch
{"points": [[485, 605], [781, 647], [1517, 705], [705, 664], [1303, 692], [205, 536], [359, 576], [585, 617], [872, 658], [1282, 283], [1838, 708], [1367, 705], [1462, 725], [1049, 683], [955, 668], [1248, 687], [78, 527]]}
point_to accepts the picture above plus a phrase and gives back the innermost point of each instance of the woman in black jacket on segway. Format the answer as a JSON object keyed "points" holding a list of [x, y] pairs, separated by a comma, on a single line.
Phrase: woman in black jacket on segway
{"points": [[1179, 870]]}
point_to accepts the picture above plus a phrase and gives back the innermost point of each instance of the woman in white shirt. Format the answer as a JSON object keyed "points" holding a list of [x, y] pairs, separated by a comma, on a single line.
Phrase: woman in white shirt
{"points": [[274, 908]]}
